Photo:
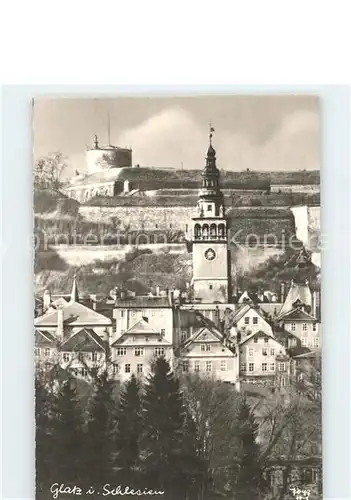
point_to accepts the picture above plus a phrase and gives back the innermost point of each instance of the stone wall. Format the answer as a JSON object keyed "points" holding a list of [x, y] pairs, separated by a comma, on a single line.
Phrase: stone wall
{"points": [[249, 225]]}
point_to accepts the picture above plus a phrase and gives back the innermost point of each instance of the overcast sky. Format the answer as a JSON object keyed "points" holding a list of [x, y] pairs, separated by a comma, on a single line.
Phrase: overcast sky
{"points": [[257, 132]]}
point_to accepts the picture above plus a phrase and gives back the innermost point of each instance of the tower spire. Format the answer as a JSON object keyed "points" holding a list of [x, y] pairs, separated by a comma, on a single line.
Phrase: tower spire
{"points": [[211, 133], [74, 293]]}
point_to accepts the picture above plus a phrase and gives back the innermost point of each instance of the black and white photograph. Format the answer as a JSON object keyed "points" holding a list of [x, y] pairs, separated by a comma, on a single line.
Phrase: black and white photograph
{"points": [[177, 297]]}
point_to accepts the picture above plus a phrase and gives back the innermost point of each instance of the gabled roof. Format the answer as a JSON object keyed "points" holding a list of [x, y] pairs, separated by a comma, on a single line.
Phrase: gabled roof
{"points": [[201, 334], [297, 314], [261, 334], [84, 340], [244, 309], [297, 292], [239, 313], [141, 327], [308, 355], [74, 314], [42, 337]]}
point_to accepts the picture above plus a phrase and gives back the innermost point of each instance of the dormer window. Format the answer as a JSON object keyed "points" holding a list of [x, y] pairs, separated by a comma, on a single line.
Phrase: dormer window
{"points": [[209, 208]]}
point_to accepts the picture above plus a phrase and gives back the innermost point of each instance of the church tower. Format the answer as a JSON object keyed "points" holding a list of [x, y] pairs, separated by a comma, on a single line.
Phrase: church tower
{"points": [[211, 257]]}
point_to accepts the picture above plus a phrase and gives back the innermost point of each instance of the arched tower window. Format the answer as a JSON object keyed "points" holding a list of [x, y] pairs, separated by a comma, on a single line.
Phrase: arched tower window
{"points": [[197, 231], [213, 231], [221, 231], [205, 231]]}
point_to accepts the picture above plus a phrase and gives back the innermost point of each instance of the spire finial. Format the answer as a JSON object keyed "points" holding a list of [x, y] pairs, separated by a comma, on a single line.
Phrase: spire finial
{"points": [[211, 133], [96, 142]]}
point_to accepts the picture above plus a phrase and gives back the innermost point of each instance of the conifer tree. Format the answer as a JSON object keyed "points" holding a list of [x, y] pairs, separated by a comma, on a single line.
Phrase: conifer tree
{"points": [[67, 438], [98, 444], [162, 439], [248, 475], [128, 429], [43, 435]]}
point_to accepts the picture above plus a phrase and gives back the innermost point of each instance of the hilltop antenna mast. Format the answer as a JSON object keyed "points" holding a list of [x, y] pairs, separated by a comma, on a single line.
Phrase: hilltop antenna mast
{"points": [[181, 175], [108, 128]]}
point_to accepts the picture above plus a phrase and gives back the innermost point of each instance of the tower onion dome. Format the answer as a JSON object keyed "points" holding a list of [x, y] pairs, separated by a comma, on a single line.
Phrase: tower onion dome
{"points": [[210, 174]]}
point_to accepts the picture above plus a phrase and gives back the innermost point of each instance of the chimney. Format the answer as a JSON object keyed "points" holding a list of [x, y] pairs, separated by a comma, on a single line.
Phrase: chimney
{"points": [[59, 331], [46, 300], [282, 291]]}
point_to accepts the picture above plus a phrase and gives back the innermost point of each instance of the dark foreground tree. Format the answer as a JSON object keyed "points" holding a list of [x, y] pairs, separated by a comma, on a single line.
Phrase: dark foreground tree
{"points": [[67, 437], [98, 437], [128, 429], [43, 434], [247, 480], [162, 438]]}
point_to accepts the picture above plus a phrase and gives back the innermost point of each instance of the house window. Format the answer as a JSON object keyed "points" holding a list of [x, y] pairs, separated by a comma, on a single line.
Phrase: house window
{"points": [[186, 227], [251, 352], [121, 351], [139, 368], [156, 226], [264, 351], [223, 365], [94, 356], [185, 365], [208, 366], [47, 352], [133, 314], [272, 367], [183, 337], [209, 208], [139, 351], [84, 372], [205, 347], [170, 226], [316, 342], [251, 367], [255, 320], [314, 327], [122, 314], [247, 320], [197, 366], [66, 356], [159, 351], [304, 326], [281, 367], [304, 341], [115, 369], [127, 368], [255, 340], [163, 332], [293, 326], [37, 351], [210, 287], [266, 339], [272, 351], [243, 367], [264, 367], [283, 381]]}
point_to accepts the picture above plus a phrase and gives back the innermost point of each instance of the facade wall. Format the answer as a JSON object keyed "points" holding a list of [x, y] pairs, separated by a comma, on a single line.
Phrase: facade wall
{"points": [[127, 364], [252, 357], [309, 333]]}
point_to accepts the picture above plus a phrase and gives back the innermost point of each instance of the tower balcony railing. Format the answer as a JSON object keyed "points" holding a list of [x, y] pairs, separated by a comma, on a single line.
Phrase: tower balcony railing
{"points": [[210, 237]]}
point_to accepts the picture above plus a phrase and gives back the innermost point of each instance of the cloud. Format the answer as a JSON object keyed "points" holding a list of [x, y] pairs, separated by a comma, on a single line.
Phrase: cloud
{"points": [[174, 136]]}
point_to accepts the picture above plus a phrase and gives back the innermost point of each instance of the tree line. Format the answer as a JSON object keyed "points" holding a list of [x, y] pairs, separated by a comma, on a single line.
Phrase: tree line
{"points": [[191, 439]]}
